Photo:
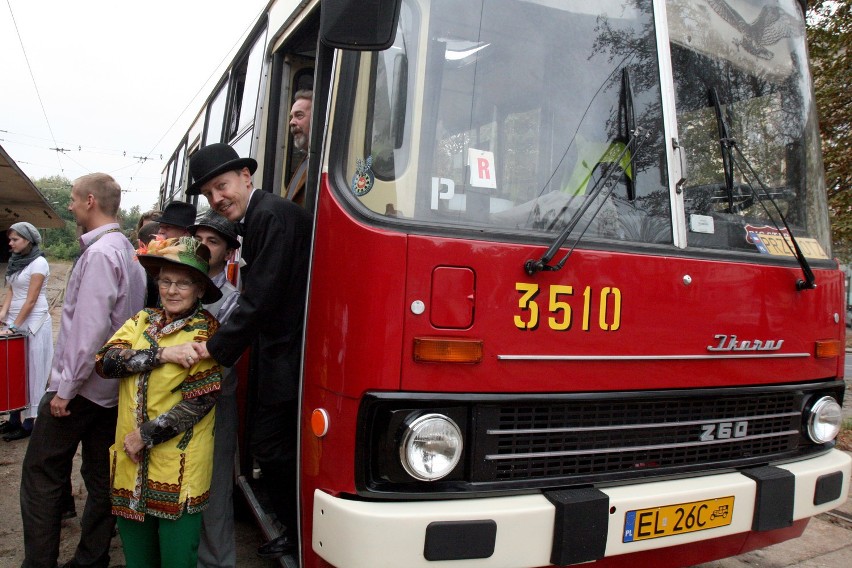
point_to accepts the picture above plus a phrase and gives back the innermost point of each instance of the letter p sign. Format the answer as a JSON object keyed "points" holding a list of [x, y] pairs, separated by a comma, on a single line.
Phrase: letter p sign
{"points": [[438, 194]]}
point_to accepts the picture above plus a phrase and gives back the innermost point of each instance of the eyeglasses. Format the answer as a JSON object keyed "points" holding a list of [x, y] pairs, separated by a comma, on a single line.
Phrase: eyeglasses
{"points": [[182, 285]]}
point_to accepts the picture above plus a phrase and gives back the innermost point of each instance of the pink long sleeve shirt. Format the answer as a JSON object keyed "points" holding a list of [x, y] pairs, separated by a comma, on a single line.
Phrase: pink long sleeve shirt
{"points": [[106, 287]]}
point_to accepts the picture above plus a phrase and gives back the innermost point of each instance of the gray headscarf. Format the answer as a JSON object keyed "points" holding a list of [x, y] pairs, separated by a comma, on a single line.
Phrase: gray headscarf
{"points": [[28, 231], [18, 262]]}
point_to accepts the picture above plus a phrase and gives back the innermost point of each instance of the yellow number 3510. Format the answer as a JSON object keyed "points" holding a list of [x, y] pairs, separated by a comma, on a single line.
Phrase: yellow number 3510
{"points": [[560, 315]]}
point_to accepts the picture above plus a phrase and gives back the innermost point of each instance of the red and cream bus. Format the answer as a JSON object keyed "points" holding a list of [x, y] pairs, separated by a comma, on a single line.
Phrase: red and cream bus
{"points": [[571, 296]]}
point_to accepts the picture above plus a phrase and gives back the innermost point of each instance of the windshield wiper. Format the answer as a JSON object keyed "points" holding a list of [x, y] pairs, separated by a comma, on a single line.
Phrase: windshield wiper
{"points": [[629, 122], [607, 182], [634, 143], [809, 283], [728, 146]]}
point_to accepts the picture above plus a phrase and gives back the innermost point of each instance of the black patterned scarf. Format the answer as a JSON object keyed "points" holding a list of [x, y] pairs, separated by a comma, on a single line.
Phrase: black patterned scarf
{"points": [[18, 262]]}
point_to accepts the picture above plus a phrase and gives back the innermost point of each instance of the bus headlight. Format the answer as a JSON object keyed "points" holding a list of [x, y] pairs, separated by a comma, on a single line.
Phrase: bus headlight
{"points": [[431, 447], [823, 420]]}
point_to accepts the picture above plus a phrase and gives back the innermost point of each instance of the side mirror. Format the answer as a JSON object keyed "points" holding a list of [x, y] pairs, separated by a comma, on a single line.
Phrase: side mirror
{"points": [[360, 25]]}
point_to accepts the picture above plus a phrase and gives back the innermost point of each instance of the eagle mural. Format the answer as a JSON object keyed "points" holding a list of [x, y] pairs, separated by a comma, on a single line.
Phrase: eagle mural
{"points": [[771, 26]]}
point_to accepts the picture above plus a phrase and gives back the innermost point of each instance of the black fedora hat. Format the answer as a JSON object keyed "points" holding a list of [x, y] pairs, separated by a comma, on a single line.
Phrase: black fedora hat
{"points": [[178, 213], [213, 160], [220, 224]]}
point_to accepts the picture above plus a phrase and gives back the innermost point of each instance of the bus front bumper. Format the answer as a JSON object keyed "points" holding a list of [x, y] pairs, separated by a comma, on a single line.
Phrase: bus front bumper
{"points": [[566, 527]]}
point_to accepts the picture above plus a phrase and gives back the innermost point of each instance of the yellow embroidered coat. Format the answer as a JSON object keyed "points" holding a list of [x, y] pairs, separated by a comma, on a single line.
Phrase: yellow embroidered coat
{"points": [[175, 473]]}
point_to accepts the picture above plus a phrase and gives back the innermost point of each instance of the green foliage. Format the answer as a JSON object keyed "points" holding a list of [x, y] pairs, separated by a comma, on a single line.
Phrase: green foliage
{"points": [[829, 41], [129, 219], [62, 243], [57, 190]]}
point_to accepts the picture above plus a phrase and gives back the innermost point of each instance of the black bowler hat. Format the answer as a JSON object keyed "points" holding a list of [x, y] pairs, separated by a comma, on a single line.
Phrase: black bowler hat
{"points": [[213, 160], [178, 213], [220, 224]]}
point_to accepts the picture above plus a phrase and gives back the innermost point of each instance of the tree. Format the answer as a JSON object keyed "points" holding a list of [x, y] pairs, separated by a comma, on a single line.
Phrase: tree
{"points": [[57, 190], [129, 219], [829, 39], [62, 243]]}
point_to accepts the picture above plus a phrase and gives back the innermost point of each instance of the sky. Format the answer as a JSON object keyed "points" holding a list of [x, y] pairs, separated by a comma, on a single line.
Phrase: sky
{"points": [[114, 84]]}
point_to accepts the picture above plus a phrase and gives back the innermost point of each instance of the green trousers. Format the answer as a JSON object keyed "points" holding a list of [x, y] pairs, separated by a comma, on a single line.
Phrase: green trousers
{"points": [[161, 543]]}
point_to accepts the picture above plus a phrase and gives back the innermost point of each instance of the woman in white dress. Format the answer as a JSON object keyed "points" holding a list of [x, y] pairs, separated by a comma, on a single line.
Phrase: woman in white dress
{"points": [[25, 311]]}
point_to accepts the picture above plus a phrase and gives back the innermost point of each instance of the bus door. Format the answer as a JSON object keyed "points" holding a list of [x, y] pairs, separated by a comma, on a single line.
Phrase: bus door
{"points": [[292, 71], [289, 69]]}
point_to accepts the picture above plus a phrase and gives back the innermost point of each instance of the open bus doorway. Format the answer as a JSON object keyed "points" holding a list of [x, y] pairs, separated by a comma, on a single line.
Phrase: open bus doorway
{"points": [[290, 69]]}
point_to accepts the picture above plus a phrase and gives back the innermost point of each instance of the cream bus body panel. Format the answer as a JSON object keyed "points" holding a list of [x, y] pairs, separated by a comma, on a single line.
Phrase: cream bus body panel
{"points": [[356, 534]]}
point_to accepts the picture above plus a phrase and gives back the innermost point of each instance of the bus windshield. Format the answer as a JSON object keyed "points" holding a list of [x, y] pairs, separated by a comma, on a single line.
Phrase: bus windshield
{"points": [[527, 116], [747, 125]]}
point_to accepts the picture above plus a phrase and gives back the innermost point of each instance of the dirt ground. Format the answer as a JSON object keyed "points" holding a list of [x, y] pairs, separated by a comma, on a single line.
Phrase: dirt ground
{"points": [[11, 532], [248, 536], [12, 536]]}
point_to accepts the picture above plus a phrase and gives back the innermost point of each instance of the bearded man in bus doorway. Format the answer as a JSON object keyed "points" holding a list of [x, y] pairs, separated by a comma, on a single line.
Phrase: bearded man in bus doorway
{"points": [[268, 316], [300, 129]]}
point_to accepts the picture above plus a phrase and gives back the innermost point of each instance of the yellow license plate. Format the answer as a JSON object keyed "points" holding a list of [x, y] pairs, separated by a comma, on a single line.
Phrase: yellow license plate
{"points": [[657, 522], [782, 246]]}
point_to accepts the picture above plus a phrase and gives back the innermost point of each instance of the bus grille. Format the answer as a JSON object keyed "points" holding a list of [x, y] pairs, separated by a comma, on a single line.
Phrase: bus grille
{"points": [[529, 442], [603, 438]]}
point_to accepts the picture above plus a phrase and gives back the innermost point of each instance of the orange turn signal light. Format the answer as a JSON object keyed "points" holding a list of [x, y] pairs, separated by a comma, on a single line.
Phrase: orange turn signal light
{"points": [[828, 348], [319, 422], [447, 350]]}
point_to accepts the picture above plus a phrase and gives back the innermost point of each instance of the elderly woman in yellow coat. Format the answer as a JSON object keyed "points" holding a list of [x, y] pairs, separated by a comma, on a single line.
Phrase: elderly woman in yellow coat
{"points": [[163, 453]]}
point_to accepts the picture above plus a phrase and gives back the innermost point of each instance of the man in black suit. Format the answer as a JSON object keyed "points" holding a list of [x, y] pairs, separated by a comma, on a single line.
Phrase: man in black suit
{"points": [[268, 316]]}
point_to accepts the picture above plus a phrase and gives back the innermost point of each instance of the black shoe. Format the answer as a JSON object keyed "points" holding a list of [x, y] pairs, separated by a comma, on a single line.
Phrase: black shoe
{"points": [[6, 427], [18, 434], [102, 563], [277, 547]]}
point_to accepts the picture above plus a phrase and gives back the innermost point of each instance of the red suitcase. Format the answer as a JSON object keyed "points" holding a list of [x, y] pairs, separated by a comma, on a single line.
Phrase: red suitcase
{"points": [[13, 372]]}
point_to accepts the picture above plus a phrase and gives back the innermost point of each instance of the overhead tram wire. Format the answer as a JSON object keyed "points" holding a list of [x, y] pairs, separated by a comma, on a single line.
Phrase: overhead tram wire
{"points": [[67, 152], [87, 150], [35, 85], [239, 40], [75, 147], [85, 168]]}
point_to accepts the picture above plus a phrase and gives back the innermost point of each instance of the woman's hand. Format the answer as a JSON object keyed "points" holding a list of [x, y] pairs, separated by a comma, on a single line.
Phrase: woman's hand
{"points": [[183, 355], [201, 350], [133, 445]]}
